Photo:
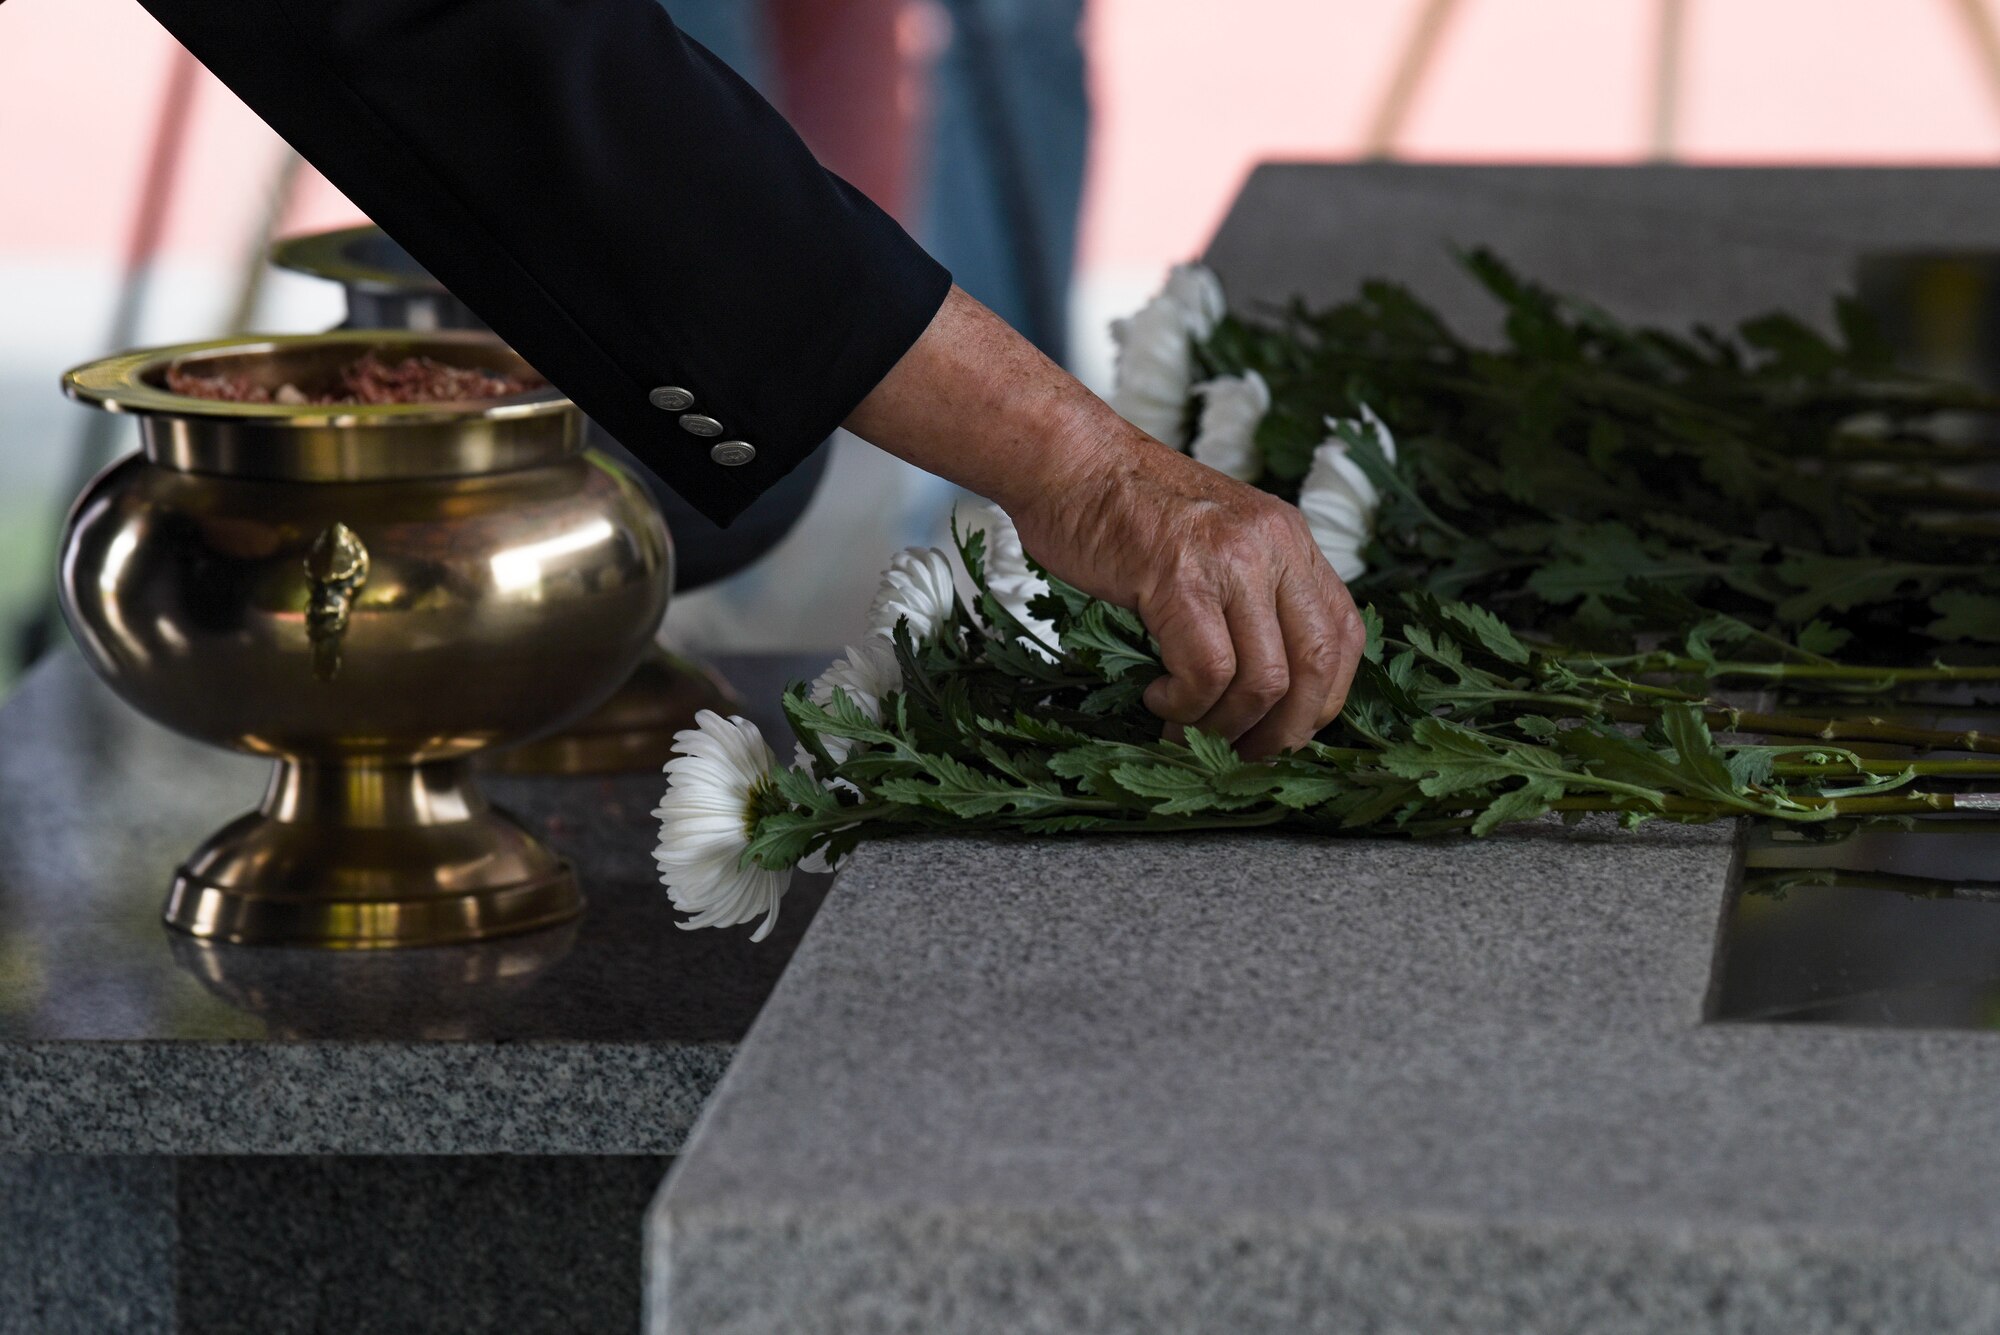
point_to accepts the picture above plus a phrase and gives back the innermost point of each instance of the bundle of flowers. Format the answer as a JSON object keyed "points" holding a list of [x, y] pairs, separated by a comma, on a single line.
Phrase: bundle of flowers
{"points": [[1601, 688], [1597, 481]]}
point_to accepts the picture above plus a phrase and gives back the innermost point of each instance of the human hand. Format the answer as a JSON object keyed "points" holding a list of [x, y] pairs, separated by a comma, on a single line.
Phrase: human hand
{"points": [[1259, 637]]}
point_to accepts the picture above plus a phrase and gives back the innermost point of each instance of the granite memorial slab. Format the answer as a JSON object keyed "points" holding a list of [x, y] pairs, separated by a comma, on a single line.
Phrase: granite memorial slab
{"points": [[118, 1036], [1290, 1084], [1670, 244], [272, 1244]]}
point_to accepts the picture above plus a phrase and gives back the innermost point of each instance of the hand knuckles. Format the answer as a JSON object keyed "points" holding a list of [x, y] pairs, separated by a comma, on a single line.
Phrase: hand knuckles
{"points": [[1210, 669], [1265, 685], [1319, 657]]}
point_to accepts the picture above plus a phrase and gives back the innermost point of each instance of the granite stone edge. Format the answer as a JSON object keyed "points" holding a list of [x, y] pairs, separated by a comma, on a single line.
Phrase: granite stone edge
{"points": [[201, 1098], [925, 1269]]}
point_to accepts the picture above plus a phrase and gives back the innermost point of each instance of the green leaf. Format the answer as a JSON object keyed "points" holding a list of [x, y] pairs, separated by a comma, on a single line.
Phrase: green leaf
{"points": [[1750, 766], [1964, 615], [1820, 639], [1824, 584], [1371, 805], [1105, 639], [1292, 781], [1481, 628], [1214, 754], [1447, 758], [1371, 622], [1603, 558], [1695, 767], [802, 790], [780, 840], [1116, 697], [1177, 791], [1529, 801], [960, 790], [1694, 748]]}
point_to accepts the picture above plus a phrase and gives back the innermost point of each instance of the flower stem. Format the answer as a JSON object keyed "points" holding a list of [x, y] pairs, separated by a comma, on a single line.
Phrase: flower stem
{"points": [[1900, 804], [1833, 672], [1829, 729], [1969, 769]]}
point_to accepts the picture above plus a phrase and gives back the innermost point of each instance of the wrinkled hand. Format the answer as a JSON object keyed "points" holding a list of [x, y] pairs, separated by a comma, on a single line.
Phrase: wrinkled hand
{"points": [[1259, 637]]}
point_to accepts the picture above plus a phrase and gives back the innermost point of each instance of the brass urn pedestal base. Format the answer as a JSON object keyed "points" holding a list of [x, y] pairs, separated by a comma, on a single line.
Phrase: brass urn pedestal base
{"points": [[633, 730], [367, 856]]}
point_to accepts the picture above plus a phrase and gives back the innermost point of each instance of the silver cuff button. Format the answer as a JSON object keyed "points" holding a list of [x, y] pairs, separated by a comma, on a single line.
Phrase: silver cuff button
{"points": [[697, 425], [733, 453], [671, 399]]}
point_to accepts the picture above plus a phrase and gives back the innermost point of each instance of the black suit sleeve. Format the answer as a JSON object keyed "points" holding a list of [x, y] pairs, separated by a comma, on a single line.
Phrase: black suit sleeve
{"points": [[608, 196]]}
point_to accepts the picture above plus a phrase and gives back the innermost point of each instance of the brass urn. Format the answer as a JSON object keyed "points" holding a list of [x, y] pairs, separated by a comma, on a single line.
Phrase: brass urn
{"points": [[385, 288], [372, 595]]}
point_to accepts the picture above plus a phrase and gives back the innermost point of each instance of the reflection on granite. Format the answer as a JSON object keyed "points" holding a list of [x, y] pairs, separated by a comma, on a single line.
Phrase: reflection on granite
{"points": [[1890, 927], [117, 1035]]}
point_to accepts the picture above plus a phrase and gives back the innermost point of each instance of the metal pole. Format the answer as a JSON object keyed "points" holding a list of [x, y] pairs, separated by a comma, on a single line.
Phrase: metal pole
{"points": [[257, 255], [1985, 42], [1386, 126], [1667, 55]]}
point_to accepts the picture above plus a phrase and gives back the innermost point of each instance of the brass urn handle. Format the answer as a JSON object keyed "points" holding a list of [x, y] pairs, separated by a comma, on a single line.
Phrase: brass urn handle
{"points": [[337, 565]]}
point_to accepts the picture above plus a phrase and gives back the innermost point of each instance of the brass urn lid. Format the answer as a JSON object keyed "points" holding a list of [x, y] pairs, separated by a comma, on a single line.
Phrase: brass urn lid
{"points": [[338, 442], [363, 258]]}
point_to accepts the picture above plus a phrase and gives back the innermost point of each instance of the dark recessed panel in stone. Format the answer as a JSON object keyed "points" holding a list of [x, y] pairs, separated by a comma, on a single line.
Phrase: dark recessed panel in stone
{"points": [[1879, 927]]}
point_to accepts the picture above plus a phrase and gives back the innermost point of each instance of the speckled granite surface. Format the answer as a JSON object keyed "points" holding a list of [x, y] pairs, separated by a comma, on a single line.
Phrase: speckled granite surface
{"points": [[86, 1245], [118, 1036], [281, 1245], [1280, 1084], [274, 1245], [1657, 243]]}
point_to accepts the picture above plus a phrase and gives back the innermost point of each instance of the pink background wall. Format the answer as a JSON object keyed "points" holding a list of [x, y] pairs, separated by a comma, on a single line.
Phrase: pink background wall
{"points": [[1189, 93]]}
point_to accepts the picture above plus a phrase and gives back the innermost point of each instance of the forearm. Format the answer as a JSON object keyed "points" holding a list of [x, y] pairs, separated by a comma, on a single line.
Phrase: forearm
{"points": [[974, 402]]}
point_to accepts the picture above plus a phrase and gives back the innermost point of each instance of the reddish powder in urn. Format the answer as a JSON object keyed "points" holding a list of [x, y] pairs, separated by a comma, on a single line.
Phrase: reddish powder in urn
{"points": [[368, 379]]}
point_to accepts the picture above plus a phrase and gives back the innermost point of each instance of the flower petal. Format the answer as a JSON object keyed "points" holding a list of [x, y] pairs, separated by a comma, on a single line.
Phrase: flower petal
{"points": [[1155, 362], [1232, 409], [1009, 577], [917, 585]]}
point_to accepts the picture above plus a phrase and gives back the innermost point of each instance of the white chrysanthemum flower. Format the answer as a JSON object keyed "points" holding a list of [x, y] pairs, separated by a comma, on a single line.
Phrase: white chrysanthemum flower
{"points": [[1155, 358], [917, 585], [1009, 577], [866, 675], [1338, 500], [720, 769], [1232, 407]]}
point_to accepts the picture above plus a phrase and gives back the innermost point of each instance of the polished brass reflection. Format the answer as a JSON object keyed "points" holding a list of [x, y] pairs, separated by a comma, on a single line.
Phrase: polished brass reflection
{"points": [[335, 588]]}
